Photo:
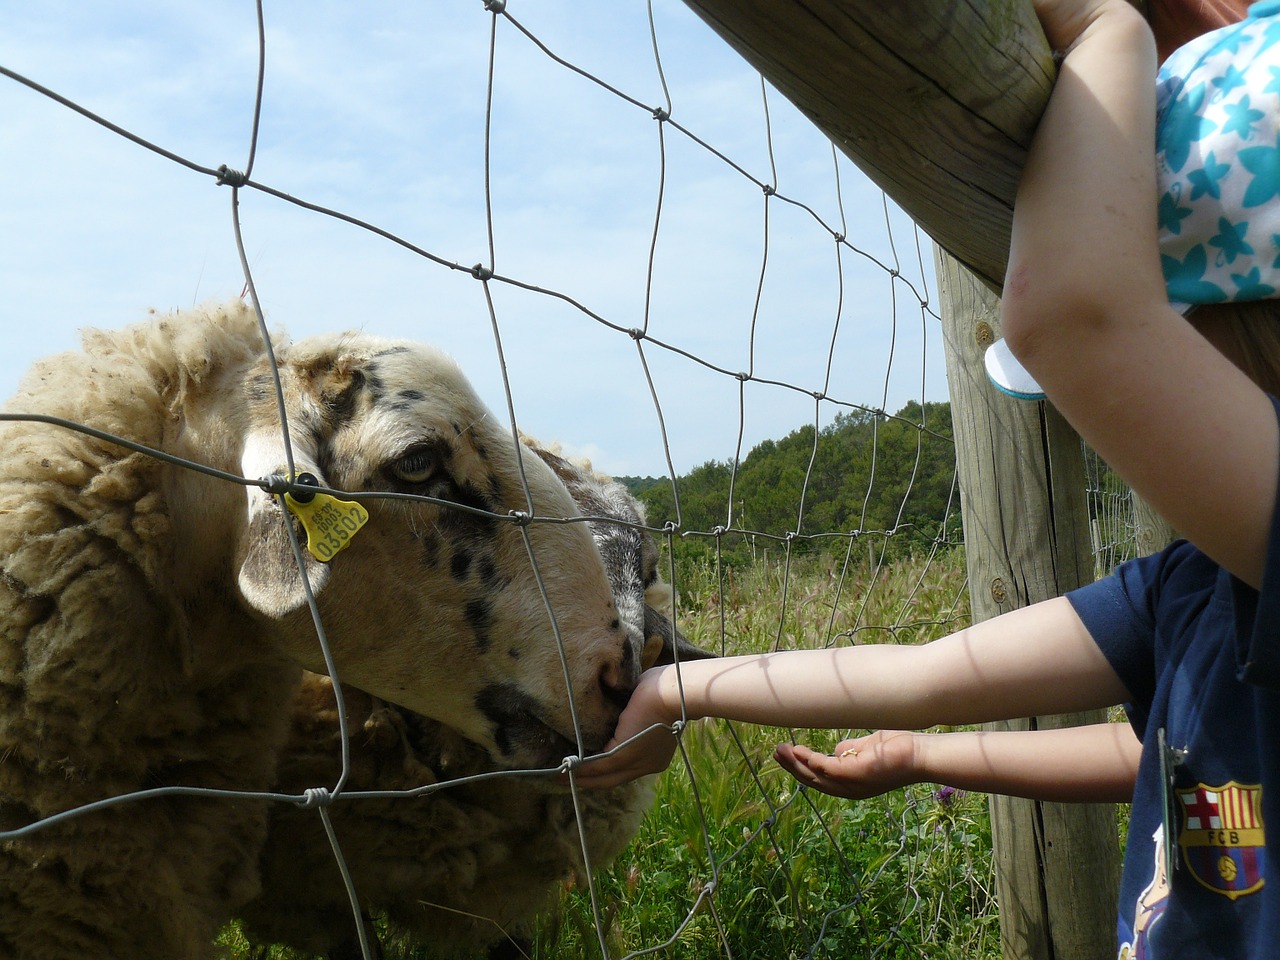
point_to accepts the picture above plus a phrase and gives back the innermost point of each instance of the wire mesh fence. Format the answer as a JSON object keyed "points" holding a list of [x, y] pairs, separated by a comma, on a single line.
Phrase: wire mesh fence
{"points": [[687, 331]]}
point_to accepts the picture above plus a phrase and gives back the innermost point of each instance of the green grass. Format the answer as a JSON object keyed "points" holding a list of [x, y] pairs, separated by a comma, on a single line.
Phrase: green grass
{"points": [[733, 853], [795, 873]]}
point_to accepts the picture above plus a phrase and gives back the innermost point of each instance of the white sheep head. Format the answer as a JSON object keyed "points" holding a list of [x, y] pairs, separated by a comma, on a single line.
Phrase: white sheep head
{"points": [[431, 607]]}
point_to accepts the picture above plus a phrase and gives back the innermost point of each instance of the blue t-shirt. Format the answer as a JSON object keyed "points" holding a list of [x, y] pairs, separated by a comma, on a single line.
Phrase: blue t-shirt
{"points": [[1200, 653]]}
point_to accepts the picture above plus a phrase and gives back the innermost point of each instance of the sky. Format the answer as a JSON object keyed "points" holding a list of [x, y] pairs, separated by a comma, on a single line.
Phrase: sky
{"points": [[378, 110]]}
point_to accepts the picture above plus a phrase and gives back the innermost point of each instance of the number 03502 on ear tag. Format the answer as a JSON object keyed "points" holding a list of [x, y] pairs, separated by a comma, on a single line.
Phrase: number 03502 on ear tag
{"points": [[330, 523]]}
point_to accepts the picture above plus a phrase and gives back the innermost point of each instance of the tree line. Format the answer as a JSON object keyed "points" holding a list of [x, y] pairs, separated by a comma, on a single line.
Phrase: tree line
{"points": [[868, 472]]}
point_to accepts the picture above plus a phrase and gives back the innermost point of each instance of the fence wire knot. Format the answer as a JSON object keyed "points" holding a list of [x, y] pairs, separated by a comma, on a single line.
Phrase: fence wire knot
{"points": [[661, 113], [570, 763], [316, 797], [231, 178], [635, 333], [677, 728], [276, 484], [495, 6], [521, 517], [481, 272]]}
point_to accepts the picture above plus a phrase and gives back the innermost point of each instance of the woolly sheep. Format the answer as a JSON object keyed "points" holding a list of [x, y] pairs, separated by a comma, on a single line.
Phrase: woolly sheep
{"points": [[153, 624], [467, 866]]}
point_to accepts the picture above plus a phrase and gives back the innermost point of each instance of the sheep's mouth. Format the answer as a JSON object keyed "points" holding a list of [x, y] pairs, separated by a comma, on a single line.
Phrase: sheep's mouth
{"points": [[520, 733]]}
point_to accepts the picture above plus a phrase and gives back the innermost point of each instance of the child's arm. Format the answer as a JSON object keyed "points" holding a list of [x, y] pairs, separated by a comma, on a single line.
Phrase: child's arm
{"points": [[1086, 310], [1034, 661], [1075, 764]]}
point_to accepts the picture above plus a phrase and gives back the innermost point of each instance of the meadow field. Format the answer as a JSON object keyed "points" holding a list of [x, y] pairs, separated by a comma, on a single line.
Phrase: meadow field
{"points": [[734, 860], [796, 873]]}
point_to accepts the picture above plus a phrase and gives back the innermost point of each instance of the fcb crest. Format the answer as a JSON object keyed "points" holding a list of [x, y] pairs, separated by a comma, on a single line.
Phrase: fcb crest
{"points": [[1222, 839]]}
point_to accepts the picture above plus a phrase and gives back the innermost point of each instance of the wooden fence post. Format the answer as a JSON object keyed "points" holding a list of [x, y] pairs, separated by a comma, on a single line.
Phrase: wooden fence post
{"points": [[1151, 531], [1026, 532]]}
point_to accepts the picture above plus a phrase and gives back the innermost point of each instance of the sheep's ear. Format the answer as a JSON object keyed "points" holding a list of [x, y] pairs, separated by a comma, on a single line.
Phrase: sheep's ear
{"points": [[658, 629], [270, 579]]}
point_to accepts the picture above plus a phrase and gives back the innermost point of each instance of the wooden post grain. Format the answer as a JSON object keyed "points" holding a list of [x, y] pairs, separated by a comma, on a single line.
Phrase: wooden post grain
{"points": [[1026, 533], [1151, 531]]}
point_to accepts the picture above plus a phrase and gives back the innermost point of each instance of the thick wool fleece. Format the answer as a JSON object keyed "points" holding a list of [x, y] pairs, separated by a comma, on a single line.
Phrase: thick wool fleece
{"points": [[111, 679]]}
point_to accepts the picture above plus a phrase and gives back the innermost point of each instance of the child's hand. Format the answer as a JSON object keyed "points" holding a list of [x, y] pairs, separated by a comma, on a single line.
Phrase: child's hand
{"points": [[861, 768], [648, 719]]}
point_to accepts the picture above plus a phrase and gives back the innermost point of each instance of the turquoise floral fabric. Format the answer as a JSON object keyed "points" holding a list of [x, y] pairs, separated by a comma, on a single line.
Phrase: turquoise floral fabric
{"points": [[1218, 157], [1218, 175]]}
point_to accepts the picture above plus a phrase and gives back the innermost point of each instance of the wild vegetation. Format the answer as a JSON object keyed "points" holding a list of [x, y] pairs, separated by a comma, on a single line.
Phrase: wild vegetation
{"points": [[887, 478], [734, 853], [795, 873]]}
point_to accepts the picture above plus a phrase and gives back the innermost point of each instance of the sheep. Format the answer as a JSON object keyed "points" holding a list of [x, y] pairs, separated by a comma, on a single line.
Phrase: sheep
{"points": [[468, 866], [154, 624]]}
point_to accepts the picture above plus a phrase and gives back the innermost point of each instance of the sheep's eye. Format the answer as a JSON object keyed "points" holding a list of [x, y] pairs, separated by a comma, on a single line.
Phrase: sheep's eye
{"points": [[415, 467]]}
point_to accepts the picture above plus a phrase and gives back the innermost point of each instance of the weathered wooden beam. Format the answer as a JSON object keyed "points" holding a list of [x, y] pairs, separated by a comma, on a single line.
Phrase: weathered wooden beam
{"points": [[935, 100]]}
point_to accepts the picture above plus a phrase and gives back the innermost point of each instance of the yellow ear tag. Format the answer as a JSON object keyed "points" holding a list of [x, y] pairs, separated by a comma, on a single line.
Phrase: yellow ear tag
{"points": [[330, 523]]}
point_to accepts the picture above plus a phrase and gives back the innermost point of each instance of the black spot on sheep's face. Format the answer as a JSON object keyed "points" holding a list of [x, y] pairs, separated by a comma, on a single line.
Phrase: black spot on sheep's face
{"points": [[479, 617], [261, 389], [408, 397], [436, 600], [460, 566], [518, 728], [431, 548]]}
